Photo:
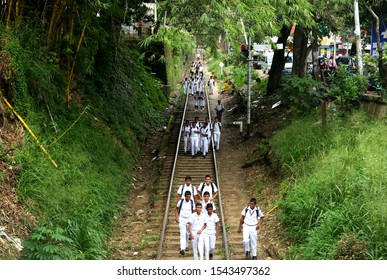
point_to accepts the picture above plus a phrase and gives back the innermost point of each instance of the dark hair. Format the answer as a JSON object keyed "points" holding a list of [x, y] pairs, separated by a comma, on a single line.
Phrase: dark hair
{"points": [[253, 200], [207, 176], [209, 206], [199, 204], [205, 193], [187, 193], [188, 178]]}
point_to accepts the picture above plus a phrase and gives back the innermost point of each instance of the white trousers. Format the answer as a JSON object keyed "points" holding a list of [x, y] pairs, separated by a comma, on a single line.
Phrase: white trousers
{"points": [[186, 143], [184, 234], [194, 145], [197, 245], [204, 145], [217, 140], [209, 244], [250, 234]]}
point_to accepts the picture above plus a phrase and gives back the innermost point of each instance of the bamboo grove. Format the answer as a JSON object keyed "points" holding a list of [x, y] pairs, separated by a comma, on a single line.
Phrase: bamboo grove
{"points": [[63, 23]]}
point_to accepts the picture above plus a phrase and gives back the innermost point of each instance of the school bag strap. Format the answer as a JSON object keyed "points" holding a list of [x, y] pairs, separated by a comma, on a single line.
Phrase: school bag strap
{"points": [[257, 210], [181, 205]]}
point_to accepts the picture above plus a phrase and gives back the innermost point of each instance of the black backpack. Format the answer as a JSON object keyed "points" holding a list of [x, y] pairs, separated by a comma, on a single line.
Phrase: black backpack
{"points": [[247, 208], [212, 187]]}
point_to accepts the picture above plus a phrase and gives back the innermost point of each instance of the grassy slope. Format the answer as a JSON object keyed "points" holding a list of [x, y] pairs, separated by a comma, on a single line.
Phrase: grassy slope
{"points": [[335, 205]]}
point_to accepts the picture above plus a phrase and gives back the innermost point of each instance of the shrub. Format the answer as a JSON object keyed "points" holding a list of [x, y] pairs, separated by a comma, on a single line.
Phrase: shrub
{"points": [[350, 248], [302, 94]]}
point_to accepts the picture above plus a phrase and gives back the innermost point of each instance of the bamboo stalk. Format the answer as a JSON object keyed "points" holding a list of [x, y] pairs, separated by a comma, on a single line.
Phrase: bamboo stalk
{"points": [[31, 132], [8, 24], [70, 76], [52, 21]]}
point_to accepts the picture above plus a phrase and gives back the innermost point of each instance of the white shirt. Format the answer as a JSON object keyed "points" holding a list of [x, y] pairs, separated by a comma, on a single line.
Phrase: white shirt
{"points": [[219, 107], [183, 188], [251, 218], [197, 221], [216, 127], [205, 130], [195, 128], [186, 209], [211, 224], [204, 204], [207, 188], [186, 130]]}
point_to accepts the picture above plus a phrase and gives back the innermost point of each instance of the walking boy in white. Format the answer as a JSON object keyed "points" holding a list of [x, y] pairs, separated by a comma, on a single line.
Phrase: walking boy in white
{"points": [[251, 220], [184, 208], [186, 134], [195, 134], [216, 131], [186, 86], [206, 200], [205, 134], [196, 224], [207, 186], [211, 232], [219, 109], [187, 186], [211, 85]]}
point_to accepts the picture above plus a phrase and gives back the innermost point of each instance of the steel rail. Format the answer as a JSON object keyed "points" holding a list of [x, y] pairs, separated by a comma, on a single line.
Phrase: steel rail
{"points": [[225, 242], [165, 222]]}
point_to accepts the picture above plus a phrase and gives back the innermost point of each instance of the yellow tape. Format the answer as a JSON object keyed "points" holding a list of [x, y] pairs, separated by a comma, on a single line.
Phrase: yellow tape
{"points": [[30, 131], [272, 209]]}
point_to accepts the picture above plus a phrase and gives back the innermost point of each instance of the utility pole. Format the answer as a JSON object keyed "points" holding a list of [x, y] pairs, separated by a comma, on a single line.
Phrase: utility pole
{"points": [[357, 34], [249, 89]]}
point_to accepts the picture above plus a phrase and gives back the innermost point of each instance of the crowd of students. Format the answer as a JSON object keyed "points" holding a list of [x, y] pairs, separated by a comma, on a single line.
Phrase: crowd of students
{"points": [[195, 207]]}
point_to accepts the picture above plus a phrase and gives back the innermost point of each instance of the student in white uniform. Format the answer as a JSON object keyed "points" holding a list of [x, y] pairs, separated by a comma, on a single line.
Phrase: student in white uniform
{"points": [[211, 85], [186, 136], [251, 220], [219, 109], [216, 131], [207, 186], [201, 101], [196, 224], [211, 232], [205, 134], [197, 100], [187, 186], [186, 86], [184, 209], [195, 135], [206, 200]]}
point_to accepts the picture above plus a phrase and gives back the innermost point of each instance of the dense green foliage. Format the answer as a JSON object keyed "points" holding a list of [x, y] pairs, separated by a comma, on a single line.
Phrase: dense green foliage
{"points": [[116, 104], [335, 204]]}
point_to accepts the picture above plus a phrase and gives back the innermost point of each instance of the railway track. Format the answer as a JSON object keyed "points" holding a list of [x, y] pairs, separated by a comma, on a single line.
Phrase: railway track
{"points": [[184, 165]]}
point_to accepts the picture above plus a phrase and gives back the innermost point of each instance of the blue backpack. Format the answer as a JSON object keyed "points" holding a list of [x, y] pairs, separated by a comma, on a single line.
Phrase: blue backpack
{"points": [[181, 205]]}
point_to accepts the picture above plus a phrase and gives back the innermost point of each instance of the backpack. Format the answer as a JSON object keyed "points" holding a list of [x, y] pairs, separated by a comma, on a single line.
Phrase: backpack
{"points": [[247, 208], [212, 187], [181, 205]]}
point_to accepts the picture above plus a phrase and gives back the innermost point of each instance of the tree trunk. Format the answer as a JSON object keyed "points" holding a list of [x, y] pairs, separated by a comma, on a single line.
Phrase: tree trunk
{"points": [[382, 66], [300, 51], [316, 64], [8, 24], [278, 62]]}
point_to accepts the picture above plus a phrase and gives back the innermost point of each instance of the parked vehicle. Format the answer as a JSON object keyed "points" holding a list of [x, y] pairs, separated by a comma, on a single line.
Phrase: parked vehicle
{"points": [[347, 62], [263, 61]]}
